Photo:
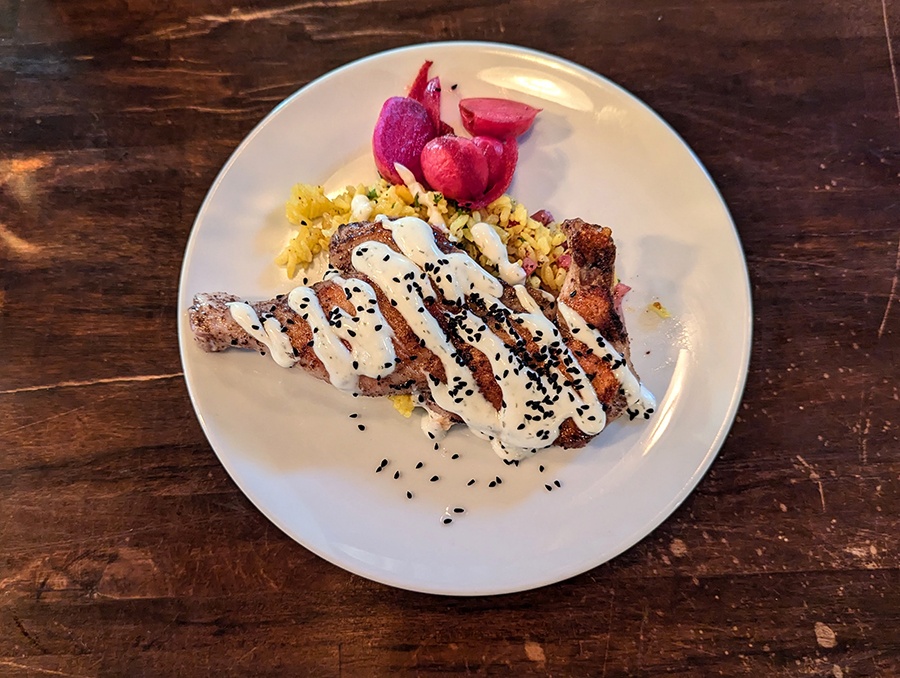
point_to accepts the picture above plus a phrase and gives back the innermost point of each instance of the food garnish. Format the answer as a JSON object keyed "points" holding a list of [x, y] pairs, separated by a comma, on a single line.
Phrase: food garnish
{"points": [[498, 118], [473, 172]]}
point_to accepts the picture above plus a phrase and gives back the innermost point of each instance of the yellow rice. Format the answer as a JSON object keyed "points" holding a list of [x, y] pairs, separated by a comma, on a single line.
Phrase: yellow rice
{"points": [[317, 217]]}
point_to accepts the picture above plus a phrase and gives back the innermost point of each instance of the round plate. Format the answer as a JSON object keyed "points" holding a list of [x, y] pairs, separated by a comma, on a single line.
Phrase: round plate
{"points": [[289, 441]]}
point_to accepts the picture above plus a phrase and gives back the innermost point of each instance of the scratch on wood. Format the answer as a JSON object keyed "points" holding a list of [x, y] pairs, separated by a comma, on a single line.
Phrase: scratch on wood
{"points": [[207, 22], [92, 382], [44, 420], [37, 669], [892, 293], [28, 636], [887, 35], [644, 617], [612, 598], [816, 478], [798, 262], [198, 109], [864, 430]]}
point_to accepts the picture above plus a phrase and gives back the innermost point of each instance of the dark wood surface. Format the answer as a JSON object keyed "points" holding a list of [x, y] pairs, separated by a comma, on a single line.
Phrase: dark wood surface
{"points": [[125, 549]]}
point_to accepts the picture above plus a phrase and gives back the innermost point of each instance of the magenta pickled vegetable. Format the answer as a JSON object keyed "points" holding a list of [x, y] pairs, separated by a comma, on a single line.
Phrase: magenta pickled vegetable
{"points": [[502, 177], [456, 167], [493, 153], [499, 118], [403, 128], [417, 88], [474, 172]]}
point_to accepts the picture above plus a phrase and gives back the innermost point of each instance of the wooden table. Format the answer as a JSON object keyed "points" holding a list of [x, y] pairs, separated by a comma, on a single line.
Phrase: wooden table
{"points": [[127, 550]]}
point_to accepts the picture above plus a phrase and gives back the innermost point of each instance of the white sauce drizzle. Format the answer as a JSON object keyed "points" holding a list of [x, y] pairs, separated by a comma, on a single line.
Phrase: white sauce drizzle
{"points": [[361, 207], [638, 400], [538, 394], [456, 274], [435, 218], [368, 334], [266, 331], [488, 241]]}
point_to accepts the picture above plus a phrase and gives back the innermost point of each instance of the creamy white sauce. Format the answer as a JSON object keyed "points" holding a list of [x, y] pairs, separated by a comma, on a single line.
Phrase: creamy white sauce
{"points": [[361, 207], [266, 331], [456, 274], [488, 241], [435, 218], [538, 395], [638, 400], [368, 334]]}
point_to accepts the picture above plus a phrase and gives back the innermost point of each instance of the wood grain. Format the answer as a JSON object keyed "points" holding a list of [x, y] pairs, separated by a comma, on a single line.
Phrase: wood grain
{"points": [[125, 549]]}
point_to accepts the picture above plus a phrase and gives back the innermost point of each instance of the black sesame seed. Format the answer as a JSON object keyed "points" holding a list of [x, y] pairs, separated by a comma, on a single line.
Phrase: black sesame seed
{"points": [[541, 468], [549, 488], [448, 520], [420, 465], [470, 483], [459, 509], [556, 482], [408, 494], [499, 480], [354, 415], [493, 483], [396, 475], [361, 427], [434, 479], [455, 456]]}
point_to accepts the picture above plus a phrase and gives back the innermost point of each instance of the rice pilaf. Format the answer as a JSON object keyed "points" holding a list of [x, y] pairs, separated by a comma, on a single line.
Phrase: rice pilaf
{"points": [[529, 242]]}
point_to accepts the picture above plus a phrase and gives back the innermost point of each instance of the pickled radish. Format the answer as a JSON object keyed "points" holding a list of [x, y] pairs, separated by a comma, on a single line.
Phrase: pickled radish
{"points": [[493, 153], [502, 177], [500, 118], [456, 167], [403, 128], [417, 88]]}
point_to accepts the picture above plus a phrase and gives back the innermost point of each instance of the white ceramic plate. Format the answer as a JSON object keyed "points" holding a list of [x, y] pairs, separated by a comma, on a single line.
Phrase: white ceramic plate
{"points": [[287, 440]]}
